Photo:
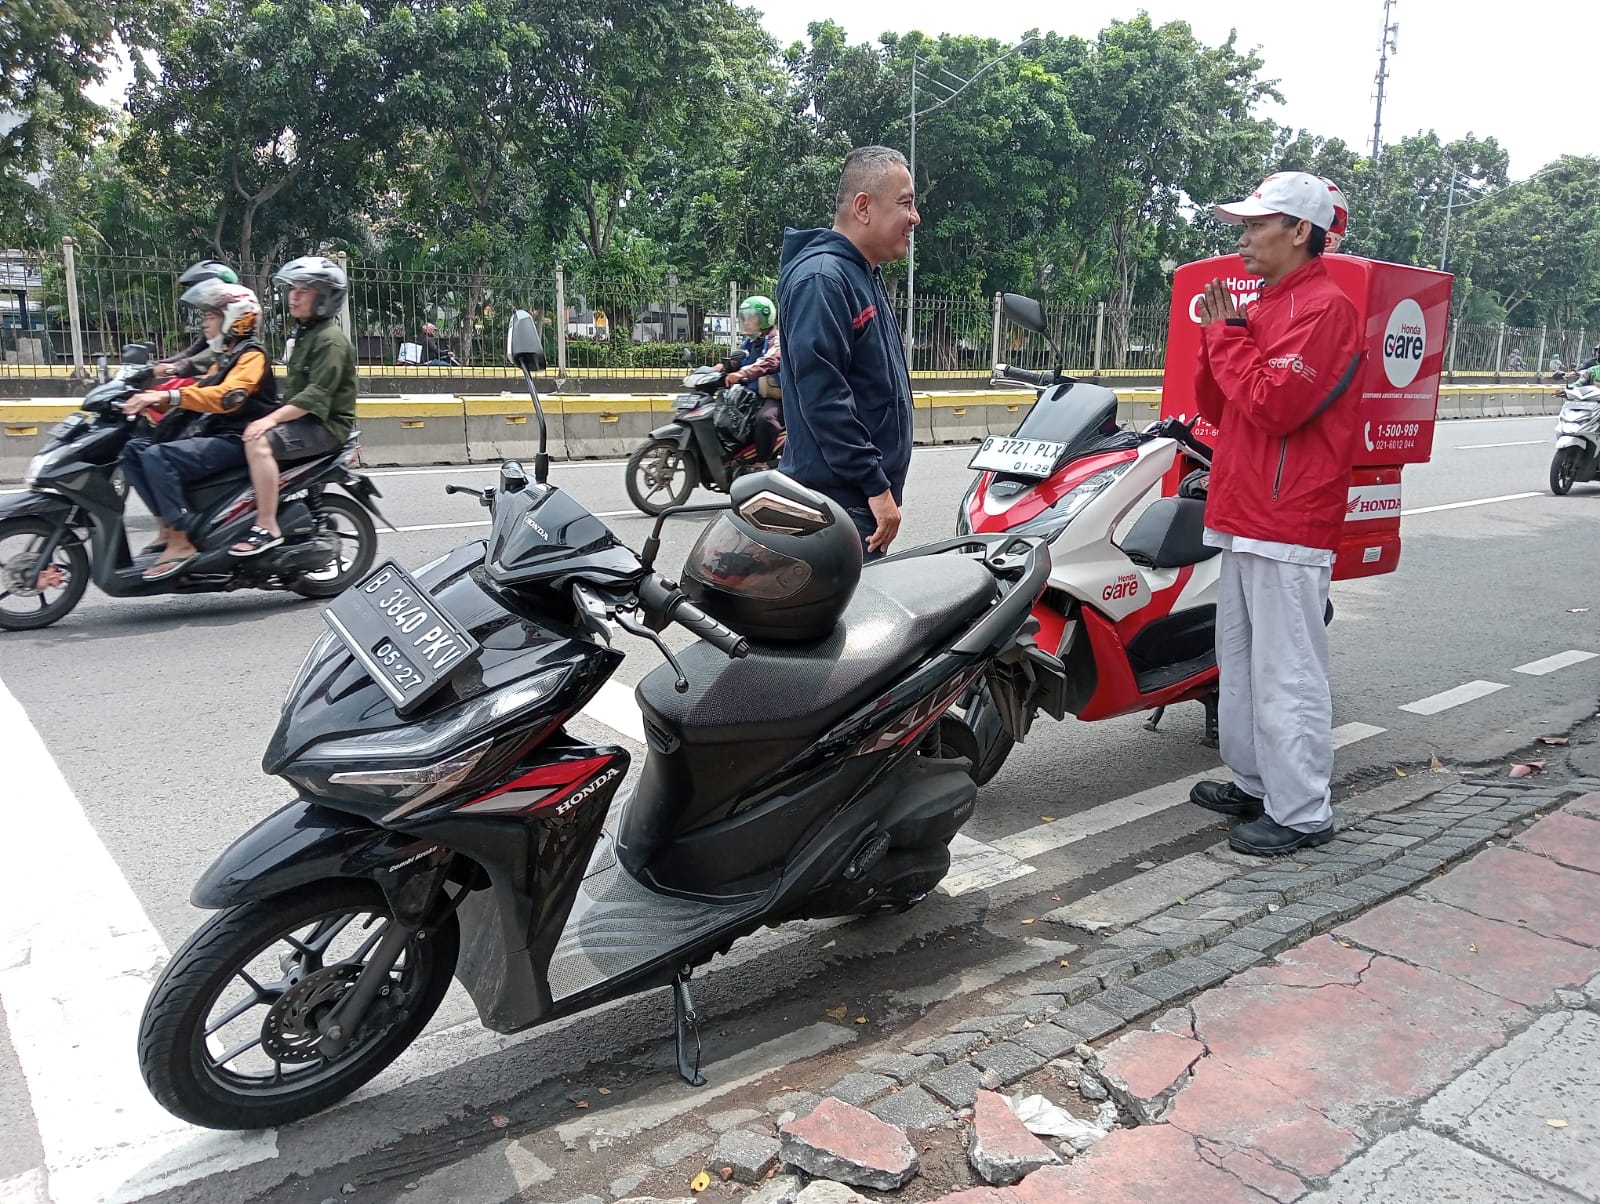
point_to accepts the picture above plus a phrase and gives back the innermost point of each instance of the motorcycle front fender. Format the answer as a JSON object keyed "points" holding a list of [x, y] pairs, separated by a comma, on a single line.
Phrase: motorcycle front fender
{"points": [[35, 504], [672, 432], [1572, 441], [299, 843]]}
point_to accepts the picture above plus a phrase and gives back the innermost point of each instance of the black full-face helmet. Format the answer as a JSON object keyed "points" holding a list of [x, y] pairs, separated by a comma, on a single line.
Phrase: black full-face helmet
{"points": [[780, 566]]}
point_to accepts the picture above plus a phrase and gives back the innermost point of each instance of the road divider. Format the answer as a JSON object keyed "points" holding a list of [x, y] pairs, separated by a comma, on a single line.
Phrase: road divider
{"points": [[421, 429]]}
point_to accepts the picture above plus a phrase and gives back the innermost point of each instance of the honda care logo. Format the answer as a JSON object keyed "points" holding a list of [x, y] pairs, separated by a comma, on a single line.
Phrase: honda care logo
{"points": [[1404, 340]]}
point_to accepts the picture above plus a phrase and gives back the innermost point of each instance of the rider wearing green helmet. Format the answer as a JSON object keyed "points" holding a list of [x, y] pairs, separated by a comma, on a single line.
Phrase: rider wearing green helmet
{"points": [[759, 362]]}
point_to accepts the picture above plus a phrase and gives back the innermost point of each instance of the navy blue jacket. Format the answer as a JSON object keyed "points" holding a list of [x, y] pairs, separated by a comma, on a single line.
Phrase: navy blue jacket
{"points": [[846, 389]]}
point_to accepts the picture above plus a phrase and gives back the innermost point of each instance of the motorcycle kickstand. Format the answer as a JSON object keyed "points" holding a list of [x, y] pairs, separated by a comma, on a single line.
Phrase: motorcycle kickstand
{"points": [[1154, 722], [1209, 740], [687, 1025]]}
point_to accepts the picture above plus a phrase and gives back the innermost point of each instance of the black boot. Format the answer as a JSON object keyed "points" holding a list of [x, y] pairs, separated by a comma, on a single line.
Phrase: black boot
{"points": [[1264, 837], [1225, 798]]}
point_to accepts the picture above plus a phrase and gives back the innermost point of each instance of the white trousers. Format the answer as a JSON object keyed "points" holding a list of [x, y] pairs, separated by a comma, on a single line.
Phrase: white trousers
{"points": [[1275, 713]]}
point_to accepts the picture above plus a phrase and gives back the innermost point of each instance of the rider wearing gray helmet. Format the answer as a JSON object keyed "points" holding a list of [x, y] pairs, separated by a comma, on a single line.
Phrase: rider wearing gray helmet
{"points": [[318, 407], [198, 357]]}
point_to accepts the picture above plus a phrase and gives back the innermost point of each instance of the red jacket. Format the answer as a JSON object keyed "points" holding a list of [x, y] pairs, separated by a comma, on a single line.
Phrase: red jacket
{"points": [[1278, 386]]}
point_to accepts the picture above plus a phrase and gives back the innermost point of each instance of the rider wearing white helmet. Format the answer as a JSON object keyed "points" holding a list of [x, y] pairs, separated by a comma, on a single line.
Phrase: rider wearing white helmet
{"points": [[202, 435]]}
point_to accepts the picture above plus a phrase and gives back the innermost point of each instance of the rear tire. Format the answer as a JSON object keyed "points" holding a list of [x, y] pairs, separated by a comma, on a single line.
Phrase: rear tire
{"points": [[1564, 470], [176, 1049], [352, 527], [25, 607], [660, 474]]}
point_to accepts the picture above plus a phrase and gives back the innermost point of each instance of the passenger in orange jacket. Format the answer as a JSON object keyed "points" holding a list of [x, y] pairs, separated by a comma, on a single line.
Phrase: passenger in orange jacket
{"points": [[1276, 379]]}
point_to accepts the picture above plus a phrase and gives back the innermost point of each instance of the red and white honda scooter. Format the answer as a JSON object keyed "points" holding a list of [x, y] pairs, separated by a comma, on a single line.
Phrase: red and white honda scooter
{"points": [[1132, 618]]}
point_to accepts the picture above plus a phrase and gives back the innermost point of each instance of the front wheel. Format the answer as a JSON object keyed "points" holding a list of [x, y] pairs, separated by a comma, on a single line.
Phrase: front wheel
{"points": [[1564, 469], [31, 595], [660, 474], [356, 540], [229, 1037]]}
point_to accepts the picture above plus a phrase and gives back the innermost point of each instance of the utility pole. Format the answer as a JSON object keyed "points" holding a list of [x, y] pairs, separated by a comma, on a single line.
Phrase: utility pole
{"points": [[1386, 47]]}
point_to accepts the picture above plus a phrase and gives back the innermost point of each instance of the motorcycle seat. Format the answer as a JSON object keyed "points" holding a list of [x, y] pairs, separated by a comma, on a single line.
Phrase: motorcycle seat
{"points": [[1169, 535], [901, 612]]}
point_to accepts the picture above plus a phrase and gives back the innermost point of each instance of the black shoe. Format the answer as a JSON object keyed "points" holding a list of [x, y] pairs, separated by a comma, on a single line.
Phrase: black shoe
{"points": [[1264, 837], [1225, 798]]}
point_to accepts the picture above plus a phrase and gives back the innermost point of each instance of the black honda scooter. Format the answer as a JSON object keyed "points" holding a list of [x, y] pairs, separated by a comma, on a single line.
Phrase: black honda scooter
{"points": [[68, 527], [448, 822]]}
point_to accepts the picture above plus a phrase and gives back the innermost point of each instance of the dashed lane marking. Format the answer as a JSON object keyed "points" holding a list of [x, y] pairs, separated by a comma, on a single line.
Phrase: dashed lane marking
{"points": [[1459, 696], [1348, 733], [1560, 660]]}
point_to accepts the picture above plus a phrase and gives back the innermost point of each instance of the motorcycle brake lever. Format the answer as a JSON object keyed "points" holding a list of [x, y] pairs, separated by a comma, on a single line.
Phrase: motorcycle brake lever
{"points": [[630, 624]]}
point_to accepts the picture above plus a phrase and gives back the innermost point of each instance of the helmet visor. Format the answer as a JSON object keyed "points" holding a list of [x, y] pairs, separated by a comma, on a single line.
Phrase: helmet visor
{"points": [[725, 558]]}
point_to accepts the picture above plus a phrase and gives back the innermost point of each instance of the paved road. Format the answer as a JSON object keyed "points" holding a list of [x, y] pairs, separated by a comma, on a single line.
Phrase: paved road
{"points": [[156, 712]]}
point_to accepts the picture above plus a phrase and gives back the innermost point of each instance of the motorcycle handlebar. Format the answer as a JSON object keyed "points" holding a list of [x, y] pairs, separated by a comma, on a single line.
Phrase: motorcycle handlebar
{"points": [[659, 597], [1022, 376]]}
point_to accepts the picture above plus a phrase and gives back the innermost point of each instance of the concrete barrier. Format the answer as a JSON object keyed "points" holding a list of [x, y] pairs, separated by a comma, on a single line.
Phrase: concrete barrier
{"points": [[506, 428], [406, 433], [606, 426], [425, 429], [960, 417]]}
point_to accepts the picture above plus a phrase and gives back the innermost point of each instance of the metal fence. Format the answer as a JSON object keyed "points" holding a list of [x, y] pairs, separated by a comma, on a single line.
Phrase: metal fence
{"points": [[61, 309]]}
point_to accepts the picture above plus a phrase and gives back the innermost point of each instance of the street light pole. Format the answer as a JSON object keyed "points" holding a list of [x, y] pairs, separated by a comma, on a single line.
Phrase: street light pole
{"points": [[911, 255]]}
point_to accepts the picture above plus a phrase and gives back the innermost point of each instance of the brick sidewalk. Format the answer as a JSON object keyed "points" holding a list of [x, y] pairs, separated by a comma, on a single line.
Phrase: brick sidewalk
{"points": [[1445, 1045]]}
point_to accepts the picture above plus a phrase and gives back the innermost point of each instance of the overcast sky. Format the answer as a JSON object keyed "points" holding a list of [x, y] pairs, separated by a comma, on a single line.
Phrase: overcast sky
{"points": [[1515, 71]]}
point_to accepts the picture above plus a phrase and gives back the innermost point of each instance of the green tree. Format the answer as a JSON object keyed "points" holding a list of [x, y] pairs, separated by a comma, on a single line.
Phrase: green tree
{"points": [[53, 51]]}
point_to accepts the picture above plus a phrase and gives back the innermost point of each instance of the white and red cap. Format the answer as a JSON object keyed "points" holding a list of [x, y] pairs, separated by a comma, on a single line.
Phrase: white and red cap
{"points": [[1297, 194]]}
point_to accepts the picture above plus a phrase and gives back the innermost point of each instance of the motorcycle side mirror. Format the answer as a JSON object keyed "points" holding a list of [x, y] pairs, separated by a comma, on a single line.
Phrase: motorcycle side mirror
{"points": [[1025, 312], [136, 353], [525, 349], [1029, 314]]}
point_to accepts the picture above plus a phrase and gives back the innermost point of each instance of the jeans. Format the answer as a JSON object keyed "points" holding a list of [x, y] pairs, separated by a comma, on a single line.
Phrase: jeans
{"points": [[157, 471], [866, 524]]}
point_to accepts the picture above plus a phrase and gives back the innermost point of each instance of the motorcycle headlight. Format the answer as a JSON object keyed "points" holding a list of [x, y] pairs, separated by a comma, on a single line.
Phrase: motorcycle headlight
{"points": [[1054, 520], [37, 466]]}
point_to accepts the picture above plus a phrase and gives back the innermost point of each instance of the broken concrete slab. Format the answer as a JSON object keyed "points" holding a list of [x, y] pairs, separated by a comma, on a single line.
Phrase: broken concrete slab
{"points": [[999, 1145], [841, 1142]]}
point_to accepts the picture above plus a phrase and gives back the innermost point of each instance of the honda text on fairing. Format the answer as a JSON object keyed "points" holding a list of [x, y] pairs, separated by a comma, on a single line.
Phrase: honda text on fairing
{"points": [[67, 527], [1133, 620], [1577, 456], [709, 442], [447, 822]]}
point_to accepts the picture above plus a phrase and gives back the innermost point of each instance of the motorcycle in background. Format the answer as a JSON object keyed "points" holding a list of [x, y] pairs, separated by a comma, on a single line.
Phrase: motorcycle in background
{"points": [[708, 442], [67, 528], [1577, 455]]}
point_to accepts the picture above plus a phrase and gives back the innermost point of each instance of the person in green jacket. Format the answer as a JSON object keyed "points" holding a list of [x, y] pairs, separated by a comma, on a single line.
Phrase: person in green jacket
{"points": [[318, 405]]}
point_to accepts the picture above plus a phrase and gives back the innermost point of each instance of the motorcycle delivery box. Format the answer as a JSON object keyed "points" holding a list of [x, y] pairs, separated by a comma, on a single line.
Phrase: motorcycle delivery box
{"points": [[1405, 312]]}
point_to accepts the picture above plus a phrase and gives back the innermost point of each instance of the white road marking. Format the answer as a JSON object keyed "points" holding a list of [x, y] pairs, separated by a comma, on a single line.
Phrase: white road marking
{"points": [[1480, 446], [616, 707], [26, 1188], [1550, 664], [1482, 501], [1470, 692], [1031, 842], [79, 955], [978, 866], [1348, 733]]}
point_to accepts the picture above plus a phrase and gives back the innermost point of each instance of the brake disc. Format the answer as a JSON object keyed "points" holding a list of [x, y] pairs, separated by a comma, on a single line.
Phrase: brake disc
{"points": [[289, 1033]]}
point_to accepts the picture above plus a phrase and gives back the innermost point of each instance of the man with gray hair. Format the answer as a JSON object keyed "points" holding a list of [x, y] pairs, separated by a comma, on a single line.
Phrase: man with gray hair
{"points": [[844, 363]]}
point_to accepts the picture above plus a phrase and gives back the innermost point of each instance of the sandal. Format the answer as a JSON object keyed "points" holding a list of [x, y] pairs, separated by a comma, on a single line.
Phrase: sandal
{"points": [[162, 569], [257, 541], [153, 548]]}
